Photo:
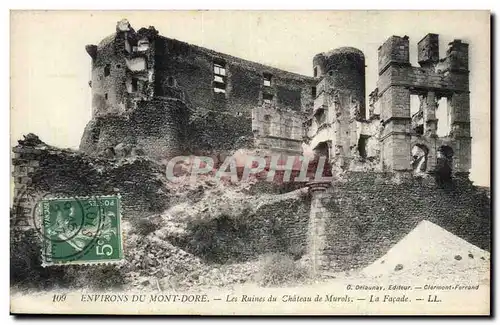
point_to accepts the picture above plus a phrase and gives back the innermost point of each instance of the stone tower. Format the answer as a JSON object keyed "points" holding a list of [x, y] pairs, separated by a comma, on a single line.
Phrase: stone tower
{"points": [[339, 103], [127, 111]]}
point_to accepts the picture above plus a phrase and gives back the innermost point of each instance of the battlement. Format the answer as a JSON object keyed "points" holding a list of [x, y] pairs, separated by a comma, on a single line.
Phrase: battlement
{"points": [[395, 50], [428, 49]]}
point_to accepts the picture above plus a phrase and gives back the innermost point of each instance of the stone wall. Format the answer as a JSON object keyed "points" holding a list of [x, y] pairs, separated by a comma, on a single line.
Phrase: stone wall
{"points": [[277, 223], [345, 68], [156, 127], [338, 121]]}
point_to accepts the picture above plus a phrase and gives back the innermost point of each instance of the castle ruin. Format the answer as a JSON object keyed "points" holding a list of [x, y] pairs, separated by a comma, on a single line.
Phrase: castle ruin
{"points": [[157, 97]]}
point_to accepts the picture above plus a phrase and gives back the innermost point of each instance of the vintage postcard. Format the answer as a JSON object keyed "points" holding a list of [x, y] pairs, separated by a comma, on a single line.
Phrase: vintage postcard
{"points": [[250, 162]]}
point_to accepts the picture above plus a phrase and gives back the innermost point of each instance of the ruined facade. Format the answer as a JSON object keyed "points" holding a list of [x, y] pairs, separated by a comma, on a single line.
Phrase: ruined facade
{"points": [[162, 97]]}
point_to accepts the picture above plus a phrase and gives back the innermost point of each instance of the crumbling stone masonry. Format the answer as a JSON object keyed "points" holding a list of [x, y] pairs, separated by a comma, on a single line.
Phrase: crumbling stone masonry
{"points": [[154, 97], [208, 101], [223, 103], [446, 78]]}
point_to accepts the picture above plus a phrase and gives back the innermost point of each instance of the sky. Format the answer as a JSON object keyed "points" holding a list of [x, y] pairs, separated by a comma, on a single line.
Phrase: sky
{"points": [[50, 68]]}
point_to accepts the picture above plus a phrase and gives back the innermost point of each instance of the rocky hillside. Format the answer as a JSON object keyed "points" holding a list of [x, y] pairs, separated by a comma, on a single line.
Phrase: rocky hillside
{"points": [[208, 233], [180, 233]]}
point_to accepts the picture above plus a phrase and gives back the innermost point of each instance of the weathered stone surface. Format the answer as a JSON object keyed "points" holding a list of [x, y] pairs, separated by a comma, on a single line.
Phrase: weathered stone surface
{"points": [[370, 212], [140, 181]]}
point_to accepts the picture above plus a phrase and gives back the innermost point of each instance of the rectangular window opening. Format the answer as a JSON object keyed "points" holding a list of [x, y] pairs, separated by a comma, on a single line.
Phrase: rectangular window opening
{"points": [[362, 141], [414, 104], [444, 118], [134, 84], [107, 70], [219, 89], [313, 92]]}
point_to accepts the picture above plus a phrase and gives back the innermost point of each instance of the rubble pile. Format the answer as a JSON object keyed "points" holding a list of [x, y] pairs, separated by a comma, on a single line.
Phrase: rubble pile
{"points": [[161, 259], [154, 263], [430, 253]]}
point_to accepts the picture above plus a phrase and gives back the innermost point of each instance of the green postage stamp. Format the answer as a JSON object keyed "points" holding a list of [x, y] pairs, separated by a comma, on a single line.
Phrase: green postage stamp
{"points": [[81, 230]]}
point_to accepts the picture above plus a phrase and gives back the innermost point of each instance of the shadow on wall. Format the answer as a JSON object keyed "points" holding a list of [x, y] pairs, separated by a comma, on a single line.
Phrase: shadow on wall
{"points": [[444, 166]]}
